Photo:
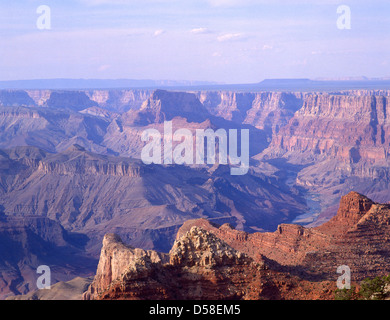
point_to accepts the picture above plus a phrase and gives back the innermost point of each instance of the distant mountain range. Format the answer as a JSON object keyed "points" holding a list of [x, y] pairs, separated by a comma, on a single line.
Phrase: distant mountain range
{"points": [[98, 84], [323, 84]]}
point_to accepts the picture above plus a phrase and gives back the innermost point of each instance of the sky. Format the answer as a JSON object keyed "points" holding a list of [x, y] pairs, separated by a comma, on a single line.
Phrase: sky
{"points": [[225, 41]]}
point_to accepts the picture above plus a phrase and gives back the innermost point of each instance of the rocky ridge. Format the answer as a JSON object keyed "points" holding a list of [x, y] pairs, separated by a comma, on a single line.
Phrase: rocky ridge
{"points": [[357, 236], [201, 267], [217, 262]]}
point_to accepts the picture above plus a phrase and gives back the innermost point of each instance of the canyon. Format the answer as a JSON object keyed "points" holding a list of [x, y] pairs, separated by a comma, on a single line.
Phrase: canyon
{"points": [[73, 157]]}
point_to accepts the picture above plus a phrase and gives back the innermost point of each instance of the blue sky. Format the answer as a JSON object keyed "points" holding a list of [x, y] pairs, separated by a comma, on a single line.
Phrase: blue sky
{"points": [[230, 41]]}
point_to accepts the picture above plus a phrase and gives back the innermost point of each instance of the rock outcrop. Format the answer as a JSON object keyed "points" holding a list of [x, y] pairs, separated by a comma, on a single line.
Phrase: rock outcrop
{"points": [[201, 266], [118, 260], [212, 262], [164, 106], [357, 237]]}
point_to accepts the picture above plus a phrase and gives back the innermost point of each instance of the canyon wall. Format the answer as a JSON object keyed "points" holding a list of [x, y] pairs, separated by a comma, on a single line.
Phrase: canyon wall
{"points": [[347, 127]]}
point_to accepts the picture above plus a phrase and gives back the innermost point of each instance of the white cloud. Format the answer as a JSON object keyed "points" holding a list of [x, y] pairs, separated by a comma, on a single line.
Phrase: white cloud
{"points": [[104, 67], [158, 32], [230, 37], [200, 31]]}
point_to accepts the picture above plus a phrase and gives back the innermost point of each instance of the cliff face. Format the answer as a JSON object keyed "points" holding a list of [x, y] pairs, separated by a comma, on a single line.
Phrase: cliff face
{"points": [[268, 111], [338, 142], [111, 100], [119, 100], [50, 129], [201, 266], [357, 237], [164, 106], [227, 104], [184, 109], [15, 98], [351, 128], [116, 260], [77, 161], [212, 262]]}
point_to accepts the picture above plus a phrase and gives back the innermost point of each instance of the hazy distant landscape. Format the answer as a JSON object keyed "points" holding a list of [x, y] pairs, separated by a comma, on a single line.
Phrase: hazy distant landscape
{"points": [[348, 83]]}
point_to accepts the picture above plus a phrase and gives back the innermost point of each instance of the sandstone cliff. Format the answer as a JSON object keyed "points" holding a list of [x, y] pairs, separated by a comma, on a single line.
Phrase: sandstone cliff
{"points": [[335, 143], [357, 236], [349, 127], [268, 111], [212, 262], [201, 266]]}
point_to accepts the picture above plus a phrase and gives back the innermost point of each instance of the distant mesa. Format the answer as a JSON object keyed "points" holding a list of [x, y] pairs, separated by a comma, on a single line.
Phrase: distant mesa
{"points": [[165, 105], [274, 84]]}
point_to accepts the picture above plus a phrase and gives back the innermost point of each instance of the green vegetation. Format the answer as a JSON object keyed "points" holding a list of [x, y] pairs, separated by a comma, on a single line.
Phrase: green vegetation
{"points": [[377, 288]]}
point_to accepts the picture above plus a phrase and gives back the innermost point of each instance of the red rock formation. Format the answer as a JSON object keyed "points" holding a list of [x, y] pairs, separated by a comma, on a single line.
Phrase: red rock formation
{"points": [[268, 111], [349, 126], [201, 266], [212, 262], [117, 260], [358, 236]]}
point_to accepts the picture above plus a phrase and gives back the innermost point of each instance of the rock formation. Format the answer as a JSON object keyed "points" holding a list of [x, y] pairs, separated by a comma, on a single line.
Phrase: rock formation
{"points": [[348, 127], [212, 262], [201, 266], [357, 236]]}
